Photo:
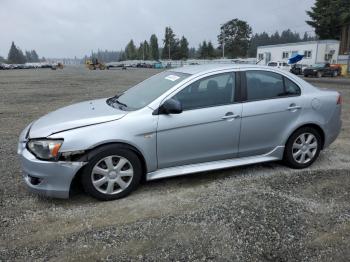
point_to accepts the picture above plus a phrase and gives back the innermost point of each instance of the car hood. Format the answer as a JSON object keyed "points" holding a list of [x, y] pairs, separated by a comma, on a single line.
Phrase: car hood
{"points": [[74, 116]]}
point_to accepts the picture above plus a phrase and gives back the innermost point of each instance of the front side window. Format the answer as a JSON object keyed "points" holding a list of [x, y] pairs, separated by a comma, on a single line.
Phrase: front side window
{"points": [[266, 85], [210, 91], [145, 92]]}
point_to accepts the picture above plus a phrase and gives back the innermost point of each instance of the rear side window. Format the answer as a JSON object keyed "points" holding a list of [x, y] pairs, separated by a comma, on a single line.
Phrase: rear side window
{"points": [[267, 85], [291, 87]]}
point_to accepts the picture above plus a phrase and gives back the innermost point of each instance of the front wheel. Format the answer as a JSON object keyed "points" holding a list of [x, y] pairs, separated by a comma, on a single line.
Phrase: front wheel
{"points": [[302, 148], [112, 173]]}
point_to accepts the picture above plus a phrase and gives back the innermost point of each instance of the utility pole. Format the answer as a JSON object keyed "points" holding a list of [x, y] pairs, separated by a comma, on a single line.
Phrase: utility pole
{"points": [[169, 49], [143, 52], [223, 41], [169, 40]]}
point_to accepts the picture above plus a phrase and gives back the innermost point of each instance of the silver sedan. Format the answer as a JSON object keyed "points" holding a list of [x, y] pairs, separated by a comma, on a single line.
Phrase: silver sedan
{"points": [[178, 122]]}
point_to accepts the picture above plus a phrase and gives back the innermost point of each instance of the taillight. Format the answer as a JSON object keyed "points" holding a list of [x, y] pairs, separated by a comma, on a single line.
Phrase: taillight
{"points": [[339, 100]]}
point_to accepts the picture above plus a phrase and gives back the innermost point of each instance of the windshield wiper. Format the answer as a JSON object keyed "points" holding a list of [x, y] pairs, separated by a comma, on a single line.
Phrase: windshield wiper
{"points": [[120, 103], [113, 100]]}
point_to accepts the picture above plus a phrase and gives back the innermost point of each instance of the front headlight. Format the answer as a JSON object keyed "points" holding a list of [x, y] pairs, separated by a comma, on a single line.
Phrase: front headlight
{"points": [[46, 149]]}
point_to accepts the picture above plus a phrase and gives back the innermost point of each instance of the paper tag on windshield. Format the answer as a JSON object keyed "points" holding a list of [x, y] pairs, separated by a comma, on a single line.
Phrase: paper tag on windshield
{"points": [[172, 77]]}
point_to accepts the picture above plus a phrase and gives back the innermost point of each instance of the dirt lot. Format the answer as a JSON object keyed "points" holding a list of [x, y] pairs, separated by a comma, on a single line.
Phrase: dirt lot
{"points": [[263, 212]]}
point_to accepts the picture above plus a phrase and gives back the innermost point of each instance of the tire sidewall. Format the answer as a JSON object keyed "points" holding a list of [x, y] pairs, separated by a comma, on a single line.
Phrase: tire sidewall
{"points": [[101, 153], [288, 153]]}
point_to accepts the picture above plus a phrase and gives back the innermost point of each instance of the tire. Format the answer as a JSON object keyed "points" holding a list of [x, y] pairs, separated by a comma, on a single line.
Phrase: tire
{"points": [[102, 171], [318, 74], [335, 74], [292, 157]]}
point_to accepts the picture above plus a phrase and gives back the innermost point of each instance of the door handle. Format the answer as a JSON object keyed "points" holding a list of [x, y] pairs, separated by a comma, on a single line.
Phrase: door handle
{"points": [[229, 115], [293, 107]]}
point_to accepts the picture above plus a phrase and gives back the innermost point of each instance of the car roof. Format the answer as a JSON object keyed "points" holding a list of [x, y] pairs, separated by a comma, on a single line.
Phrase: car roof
{"points": [[207, 68], [195, 69]]}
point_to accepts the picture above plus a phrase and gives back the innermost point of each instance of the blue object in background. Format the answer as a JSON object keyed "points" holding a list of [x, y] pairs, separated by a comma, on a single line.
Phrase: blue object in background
{"points": [[295, 59]]}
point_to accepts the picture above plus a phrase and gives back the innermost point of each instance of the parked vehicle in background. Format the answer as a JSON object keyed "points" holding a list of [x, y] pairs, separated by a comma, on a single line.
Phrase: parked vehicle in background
{"points": [[322, 69], [94, 64], [181, 121], [298, 69], [144, 65], [279, 64], [115, 65]]}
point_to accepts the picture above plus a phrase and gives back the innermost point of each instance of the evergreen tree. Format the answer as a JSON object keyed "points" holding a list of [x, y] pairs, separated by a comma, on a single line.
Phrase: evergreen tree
{"points": [[147, 50], [130, 51], [235, 34], [154, 49], [203, 50], [122, 56], [287, 36], [184, 51], [328, 17], [170, 44], [28, 56], [210, 50], [15, 55], [34, 56]]}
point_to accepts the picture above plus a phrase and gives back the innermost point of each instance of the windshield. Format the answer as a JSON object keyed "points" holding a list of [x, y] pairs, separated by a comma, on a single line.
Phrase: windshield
{"points": [[319, 65], [145, 92]]}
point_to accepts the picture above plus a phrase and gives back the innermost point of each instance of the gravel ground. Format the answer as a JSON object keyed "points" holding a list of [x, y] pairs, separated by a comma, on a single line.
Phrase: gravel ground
{"points": [[263, 212]]}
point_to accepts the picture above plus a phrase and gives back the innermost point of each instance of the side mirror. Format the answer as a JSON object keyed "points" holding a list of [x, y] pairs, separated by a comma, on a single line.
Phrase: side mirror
{"points": [[170, 106]]}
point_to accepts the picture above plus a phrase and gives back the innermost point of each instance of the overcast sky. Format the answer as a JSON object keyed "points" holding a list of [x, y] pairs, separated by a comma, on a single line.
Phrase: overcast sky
{"points": [[68, 28]]}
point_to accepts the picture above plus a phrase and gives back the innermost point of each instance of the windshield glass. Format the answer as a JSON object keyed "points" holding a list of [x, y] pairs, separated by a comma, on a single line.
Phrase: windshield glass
{"points": [[145, 92]]}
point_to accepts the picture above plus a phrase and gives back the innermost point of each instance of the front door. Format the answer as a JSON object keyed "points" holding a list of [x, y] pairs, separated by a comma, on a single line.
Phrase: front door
{"points": [[207, 129]]}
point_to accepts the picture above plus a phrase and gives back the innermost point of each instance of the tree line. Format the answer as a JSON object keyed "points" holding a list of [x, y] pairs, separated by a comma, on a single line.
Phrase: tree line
{"points": [[16, 56], [235, 35], [326, 17]]}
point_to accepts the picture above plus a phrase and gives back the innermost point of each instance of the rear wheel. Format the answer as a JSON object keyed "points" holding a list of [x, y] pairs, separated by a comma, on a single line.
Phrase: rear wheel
{"points": [[319, 74], [335, 74], [302, 148], [112, 173]]}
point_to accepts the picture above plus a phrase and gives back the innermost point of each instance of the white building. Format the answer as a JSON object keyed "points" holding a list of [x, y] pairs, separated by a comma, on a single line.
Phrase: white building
{"points": [[314, 52]]}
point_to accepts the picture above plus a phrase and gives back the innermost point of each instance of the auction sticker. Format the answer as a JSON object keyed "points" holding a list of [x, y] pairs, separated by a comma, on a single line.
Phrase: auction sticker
{"points": [[172, 77]]}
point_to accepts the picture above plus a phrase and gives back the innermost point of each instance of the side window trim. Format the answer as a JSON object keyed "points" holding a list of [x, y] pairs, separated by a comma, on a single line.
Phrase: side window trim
{"points": [[233, 100], [243, 87]]}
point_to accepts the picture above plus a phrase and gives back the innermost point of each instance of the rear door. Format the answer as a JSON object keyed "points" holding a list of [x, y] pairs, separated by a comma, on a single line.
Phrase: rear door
{"points": [[207, 129], [272, 104]]}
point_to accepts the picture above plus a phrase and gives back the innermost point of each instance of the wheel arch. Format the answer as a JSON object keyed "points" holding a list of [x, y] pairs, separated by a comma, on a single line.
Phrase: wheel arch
{"points": [[312, 125], [75, 183]]}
